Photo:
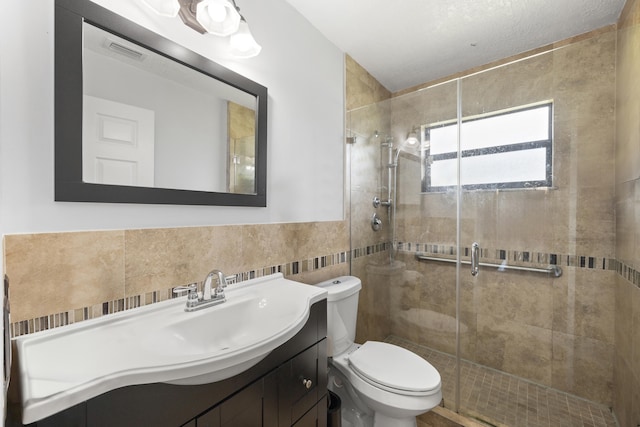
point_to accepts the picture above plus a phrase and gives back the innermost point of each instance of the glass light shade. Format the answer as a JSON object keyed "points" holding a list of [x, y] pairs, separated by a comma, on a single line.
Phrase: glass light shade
{"points": [[242, 43], [217, 12], [168, 8], [218, 17]]}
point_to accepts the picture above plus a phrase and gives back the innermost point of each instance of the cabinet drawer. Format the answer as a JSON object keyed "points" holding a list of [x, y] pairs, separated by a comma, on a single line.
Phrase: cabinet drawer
{"points": [[304, 376], [301, 384]]}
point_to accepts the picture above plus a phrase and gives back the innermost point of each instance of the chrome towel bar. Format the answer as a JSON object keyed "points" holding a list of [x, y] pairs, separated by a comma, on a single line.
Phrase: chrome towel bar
{"points": [[554, 270]]}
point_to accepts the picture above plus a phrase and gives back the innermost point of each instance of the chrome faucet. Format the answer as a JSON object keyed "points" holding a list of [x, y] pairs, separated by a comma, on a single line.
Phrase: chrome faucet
{"points": [[219, 290], [208, 297]]}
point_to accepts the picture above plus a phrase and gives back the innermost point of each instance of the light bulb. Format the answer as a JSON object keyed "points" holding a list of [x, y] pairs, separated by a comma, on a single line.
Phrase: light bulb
{"points": [[217, 12], [218, 17]]}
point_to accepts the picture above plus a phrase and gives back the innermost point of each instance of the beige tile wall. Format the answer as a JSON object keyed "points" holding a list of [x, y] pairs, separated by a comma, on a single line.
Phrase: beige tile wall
{"points": [[626, 402], [361, 87], [51, 273], [368, 177]]}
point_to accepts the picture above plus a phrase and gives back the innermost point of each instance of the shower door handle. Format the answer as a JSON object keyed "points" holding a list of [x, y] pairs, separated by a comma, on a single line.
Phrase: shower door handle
{"points": [[475, 258]]}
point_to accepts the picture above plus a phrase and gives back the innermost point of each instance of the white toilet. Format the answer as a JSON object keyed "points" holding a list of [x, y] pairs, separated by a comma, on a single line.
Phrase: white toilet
{"points": [[380, 384]]}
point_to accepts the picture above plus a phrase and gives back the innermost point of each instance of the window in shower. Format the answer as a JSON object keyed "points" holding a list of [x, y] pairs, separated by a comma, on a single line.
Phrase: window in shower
{"points": [[499, 150]]}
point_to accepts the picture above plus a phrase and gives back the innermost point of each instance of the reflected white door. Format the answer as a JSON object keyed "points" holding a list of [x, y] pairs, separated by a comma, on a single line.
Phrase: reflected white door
{"points": [[118, 143]]}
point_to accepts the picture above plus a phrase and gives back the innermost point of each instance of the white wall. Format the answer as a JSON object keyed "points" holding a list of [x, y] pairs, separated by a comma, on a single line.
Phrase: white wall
{"points": [[301, 69]]}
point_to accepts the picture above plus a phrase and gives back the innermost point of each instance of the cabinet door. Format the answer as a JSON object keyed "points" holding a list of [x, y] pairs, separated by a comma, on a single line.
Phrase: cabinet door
{"points": [[209, 419], [310, 419], [255, 406], [304, 382], [244, 409], [298, 389], [316, 417]]}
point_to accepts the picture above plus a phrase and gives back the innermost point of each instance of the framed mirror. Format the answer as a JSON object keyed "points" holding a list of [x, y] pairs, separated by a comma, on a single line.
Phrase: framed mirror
{"points": [[141, 119]]}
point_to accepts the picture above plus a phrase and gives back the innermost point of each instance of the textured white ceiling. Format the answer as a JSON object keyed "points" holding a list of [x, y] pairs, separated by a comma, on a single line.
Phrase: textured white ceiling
{"points": [[404, 43]]}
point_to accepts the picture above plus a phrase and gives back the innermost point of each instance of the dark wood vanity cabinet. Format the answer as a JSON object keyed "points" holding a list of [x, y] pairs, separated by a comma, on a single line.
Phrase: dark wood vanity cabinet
{"points": [[287, 388]]}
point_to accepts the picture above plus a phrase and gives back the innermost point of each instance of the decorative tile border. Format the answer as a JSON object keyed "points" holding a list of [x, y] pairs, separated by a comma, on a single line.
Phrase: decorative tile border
{"points": [[77, 315], [370, 250], [628, 273], [303, 266]]}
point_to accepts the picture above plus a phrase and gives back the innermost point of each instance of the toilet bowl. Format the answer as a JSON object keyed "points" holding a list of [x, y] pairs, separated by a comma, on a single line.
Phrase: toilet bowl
{"points": [[389, 382]]}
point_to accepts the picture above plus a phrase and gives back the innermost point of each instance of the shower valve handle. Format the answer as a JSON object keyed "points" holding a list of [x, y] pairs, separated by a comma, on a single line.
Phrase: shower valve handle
{"points": [[376, 222], [377, 202]]}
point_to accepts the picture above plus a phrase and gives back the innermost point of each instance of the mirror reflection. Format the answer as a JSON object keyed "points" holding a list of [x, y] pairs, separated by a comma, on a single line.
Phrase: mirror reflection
{"points": [[149, 121]]}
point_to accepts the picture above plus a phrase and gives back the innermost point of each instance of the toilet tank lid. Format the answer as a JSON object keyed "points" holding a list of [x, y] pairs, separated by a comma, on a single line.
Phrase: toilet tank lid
{"points": [[341, 287]]}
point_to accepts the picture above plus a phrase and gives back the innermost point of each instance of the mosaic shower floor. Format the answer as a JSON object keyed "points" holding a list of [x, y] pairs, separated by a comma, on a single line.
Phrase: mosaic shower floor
{"points": [[501, 399]]}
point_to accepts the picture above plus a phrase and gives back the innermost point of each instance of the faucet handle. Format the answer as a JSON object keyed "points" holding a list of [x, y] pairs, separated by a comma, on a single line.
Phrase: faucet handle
{"points": [[192, 296], [222, 283], [219, 290]]}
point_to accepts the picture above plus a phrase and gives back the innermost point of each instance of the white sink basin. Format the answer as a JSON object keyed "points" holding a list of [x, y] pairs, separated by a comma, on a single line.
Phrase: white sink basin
{"points": [[160, 343]]}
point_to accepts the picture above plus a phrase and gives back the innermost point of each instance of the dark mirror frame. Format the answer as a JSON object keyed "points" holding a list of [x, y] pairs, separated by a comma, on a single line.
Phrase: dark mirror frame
{"points": [[69, 186]]}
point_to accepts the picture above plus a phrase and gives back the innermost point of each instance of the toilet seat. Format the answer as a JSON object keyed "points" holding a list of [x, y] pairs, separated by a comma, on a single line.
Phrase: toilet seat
{"points": [[394, 369]]}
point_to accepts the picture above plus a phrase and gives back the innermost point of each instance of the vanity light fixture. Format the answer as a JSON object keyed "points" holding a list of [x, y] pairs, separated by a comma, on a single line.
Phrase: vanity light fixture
{"points": [[242, 43], [218, 17]]}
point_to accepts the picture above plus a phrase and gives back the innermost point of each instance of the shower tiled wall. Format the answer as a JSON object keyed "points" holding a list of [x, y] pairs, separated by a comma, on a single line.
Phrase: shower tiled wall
{"points": [[366, 171], [626, 368], [554, 331], [60, 278]]}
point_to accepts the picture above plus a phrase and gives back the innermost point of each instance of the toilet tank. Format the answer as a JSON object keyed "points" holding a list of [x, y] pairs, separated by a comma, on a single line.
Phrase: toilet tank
{"points": [[342, 312]]}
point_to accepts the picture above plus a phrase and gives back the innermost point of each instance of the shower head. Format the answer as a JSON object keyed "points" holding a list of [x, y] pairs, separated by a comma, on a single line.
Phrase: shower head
{"points": [[412, 137], [411, 145]]}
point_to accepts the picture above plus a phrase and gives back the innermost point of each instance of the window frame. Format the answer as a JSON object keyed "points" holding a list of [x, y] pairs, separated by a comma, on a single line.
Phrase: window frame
{"points": [[427, 160]]}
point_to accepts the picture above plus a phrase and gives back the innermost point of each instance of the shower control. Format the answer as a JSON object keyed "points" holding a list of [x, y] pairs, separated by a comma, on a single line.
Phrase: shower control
{"points": [[376, 222], [377, 202]]}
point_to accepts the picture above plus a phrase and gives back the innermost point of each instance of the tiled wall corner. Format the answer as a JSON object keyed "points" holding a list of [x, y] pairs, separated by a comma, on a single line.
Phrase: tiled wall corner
{"points": [[362, 87], [626, 360]]}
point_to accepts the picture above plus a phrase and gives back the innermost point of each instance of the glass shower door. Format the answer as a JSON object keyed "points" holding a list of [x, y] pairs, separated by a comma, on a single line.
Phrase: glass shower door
{"points": [[404, 300], [519, 194], [423, 306], [519, 159], [506, 187]]}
